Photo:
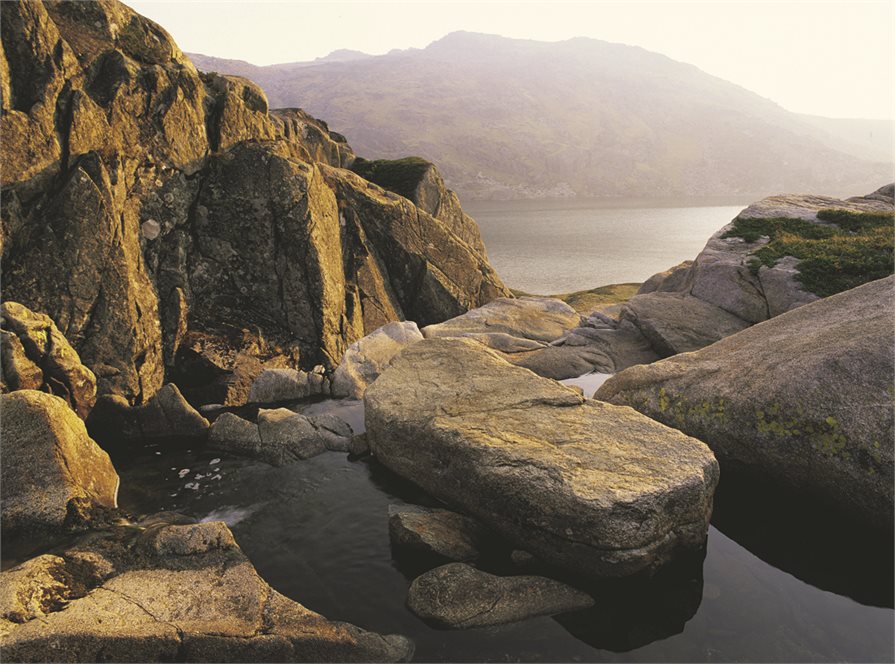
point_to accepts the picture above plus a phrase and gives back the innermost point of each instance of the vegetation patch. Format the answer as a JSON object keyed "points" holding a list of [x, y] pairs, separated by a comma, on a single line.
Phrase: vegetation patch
{"points": [[851, 249], [595, 299], [401, 176]]}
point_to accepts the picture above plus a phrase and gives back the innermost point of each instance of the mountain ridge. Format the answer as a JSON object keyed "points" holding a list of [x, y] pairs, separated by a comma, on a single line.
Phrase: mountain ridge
{"points": [[511, 118]]}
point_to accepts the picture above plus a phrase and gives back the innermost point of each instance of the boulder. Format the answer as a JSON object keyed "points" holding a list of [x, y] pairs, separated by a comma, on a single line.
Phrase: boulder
{"points": [[805, 398], [280, 436], [287, 436], [167, 415], [435, 531], [276, 385], [533, 318], [594, 488], [171, 592], [366, 358], [674, 323], [457, 596], [36, 356], [54, 477]]}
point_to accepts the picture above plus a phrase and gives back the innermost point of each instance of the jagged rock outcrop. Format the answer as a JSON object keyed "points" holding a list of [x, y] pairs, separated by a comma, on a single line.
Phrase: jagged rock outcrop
{"points": [[206, 238], [167, 415], [458, 596], [805, 399], [419, 181], [36, 356], [54, 477], [593, 488], [167, 591]]}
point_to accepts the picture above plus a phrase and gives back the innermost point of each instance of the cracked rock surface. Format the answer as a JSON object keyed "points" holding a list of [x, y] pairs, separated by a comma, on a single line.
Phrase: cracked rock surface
{"points": [[458, 596], [593, 488], [168, 592]]}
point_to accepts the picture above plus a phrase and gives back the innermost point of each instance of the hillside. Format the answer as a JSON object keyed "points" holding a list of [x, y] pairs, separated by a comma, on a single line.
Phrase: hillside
{"points": [[507, 118]]}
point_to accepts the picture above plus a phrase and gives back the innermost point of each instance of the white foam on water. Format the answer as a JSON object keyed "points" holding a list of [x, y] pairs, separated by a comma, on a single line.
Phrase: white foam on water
{"points": [[589, 382], [183, 473], [230, 514]]}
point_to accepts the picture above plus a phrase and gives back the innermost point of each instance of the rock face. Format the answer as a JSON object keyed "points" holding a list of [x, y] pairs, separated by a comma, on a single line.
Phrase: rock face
{"points": [[166, 593], [54, 477], [366, 358], [593, 488], [805, 398], [431, 531], [166, 415], [36, 356], [458, 596], [206, 238], [419, 180]]}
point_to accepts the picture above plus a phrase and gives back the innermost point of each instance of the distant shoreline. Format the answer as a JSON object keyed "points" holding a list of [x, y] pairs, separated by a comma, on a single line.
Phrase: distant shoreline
{"points": [[472, 205]]}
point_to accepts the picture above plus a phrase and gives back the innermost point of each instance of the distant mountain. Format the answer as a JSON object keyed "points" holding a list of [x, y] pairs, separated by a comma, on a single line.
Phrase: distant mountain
{"points": [[509, 118]]}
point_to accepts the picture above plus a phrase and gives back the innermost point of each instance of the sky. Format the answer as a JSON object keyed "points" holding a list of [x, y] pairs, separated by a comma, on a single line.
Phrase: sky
{"points": [[835, 59]]}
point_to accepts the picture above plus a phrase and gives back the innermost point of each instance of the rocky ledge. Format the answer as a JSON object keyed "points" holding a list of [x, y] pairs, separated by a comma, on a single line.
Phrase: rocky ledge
{"points": [[590, 487], [167, 591]]}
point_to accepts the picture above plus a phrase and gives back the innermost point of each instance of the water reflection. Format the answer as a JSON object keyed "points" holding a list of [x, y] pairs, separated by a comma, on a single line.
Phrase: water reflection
{"points": [[810, 541]]}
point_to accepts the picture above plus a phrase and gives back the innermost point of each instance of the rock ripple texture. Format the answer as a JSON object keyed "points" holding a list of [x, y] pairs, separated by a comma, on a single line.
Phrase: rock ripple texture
{"points": [[593, 488]]}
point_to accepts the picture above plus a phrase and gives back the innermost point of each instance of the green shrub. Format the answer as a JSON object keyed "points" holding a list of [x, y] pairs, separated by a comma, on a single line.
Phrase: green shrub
{"points": [[832, 258]]}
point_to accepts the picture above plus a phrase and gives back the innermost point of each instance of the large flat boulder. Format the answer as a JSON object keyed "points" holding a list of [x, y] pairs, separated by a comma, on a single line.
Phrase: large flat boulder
{"points": [[805, 398], [54, 477], [593, 488], [168, 592]]}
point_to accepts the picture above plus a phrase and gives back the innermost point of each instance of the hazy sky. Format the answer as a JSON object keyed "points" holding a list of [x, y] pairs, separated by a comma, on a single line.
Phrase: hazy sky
{"points": [[824, 58]]}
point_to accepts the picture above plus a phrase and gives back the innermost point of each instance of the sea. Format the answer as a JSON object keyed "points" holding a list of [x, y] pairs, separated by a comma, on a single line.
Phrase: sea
{"points": [[550, 247]]}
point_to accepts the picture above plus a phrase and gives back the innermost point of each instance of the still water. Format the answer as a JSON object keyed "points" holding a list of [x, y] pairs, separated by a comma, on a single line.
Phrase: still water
{"points": [[775, 585], [551, 247]]}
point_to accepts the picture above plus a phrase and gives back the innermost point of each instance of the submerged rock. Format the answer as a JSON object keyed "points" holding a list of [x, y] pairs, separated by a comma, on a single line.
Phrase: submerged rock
{"points": [[366, 358], [54, 477], [435, 531], [36, 356], [457, 596], [805, 398], [593, 488], [171, 592]]}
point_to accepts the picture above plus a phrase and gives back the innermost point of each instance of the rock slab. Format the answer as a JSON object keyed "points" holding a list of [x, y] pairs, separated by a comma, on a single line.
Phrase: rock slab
{"points": [[584, 485], [161, 593], [435, 531]]}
